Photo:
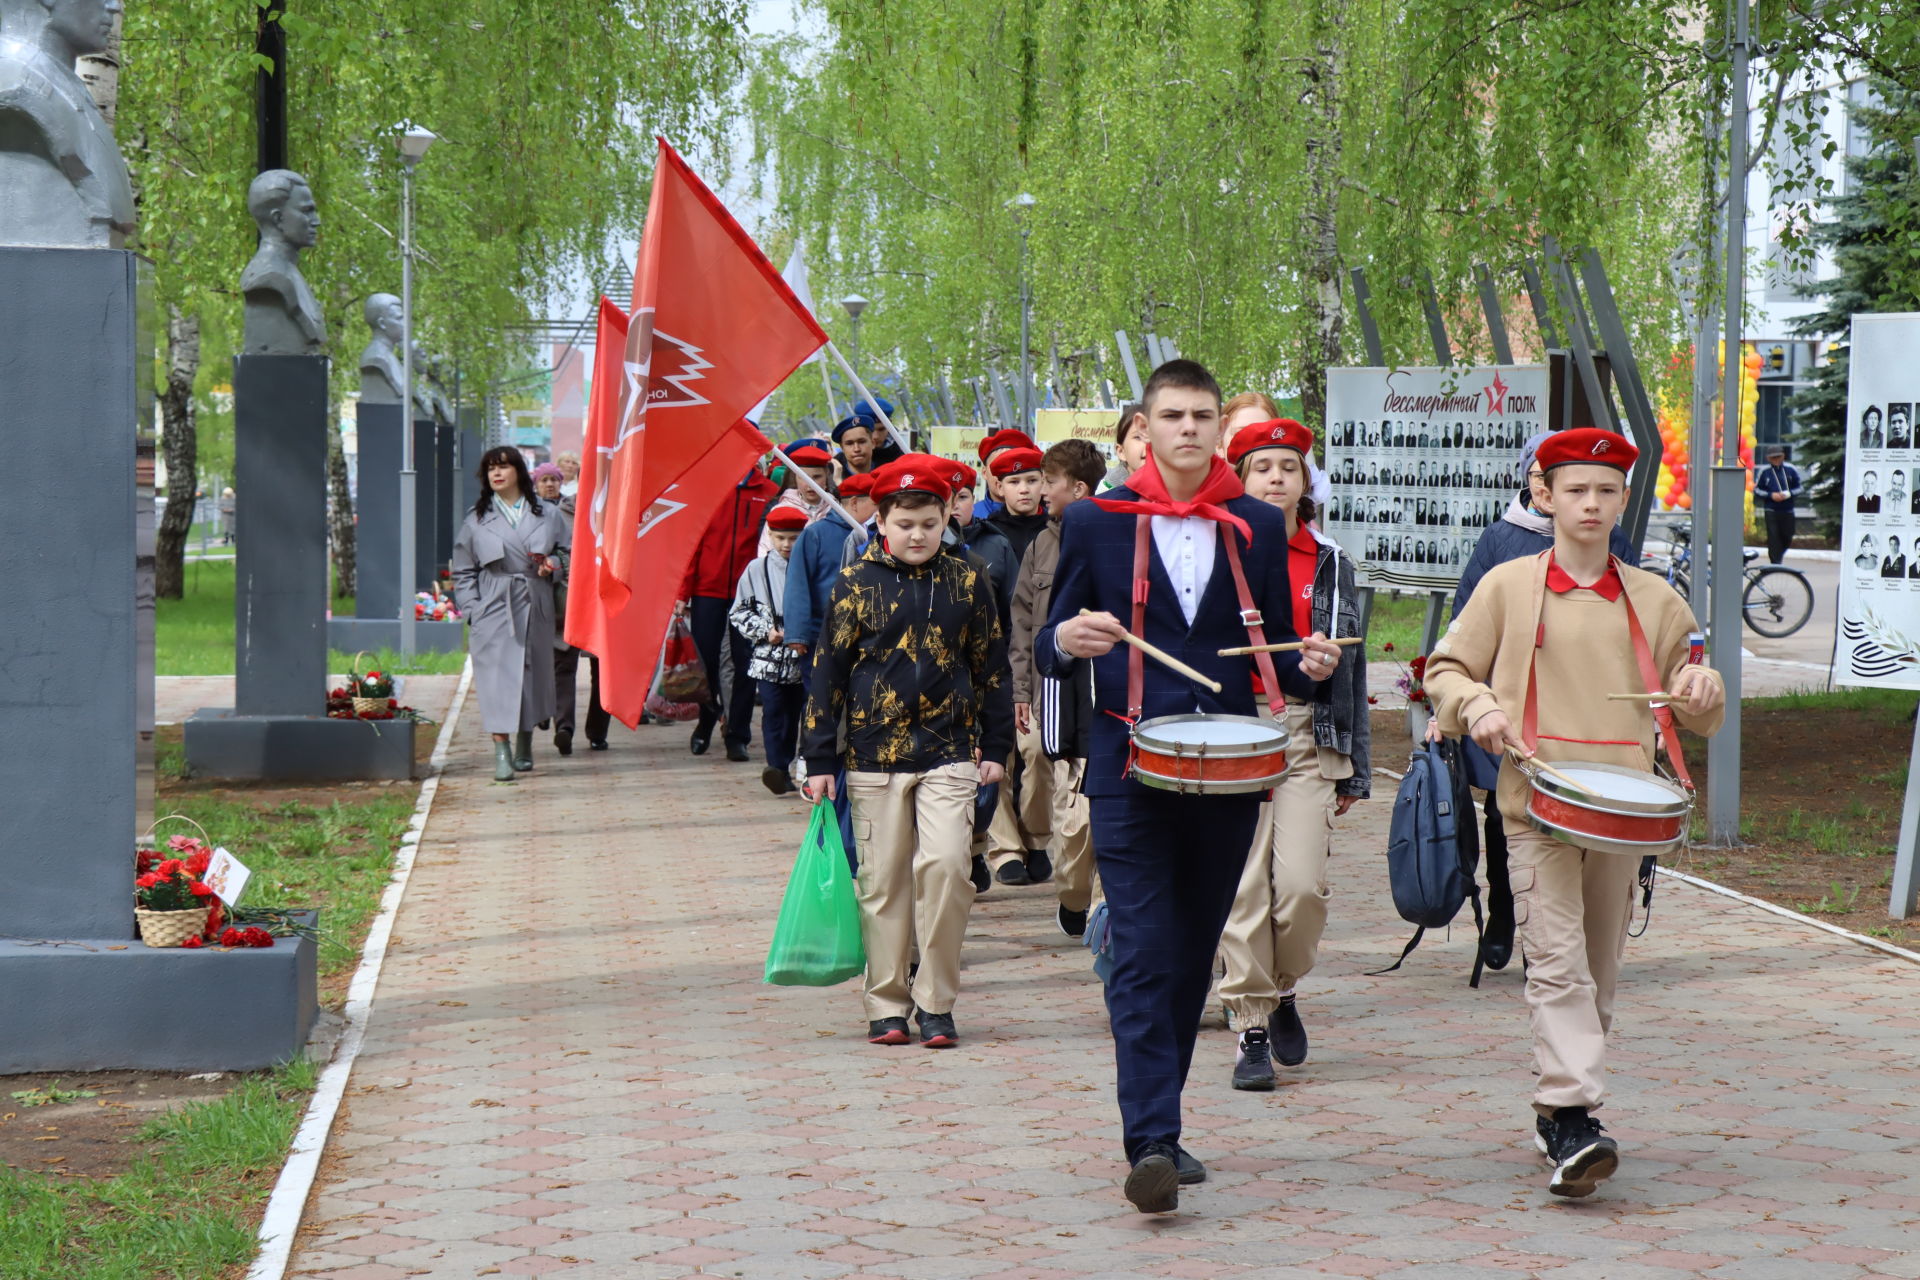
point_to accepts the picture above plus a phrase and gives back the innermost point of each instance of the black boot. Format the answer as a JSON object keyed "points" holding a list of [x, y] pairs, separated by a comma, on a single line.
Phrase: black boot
{"points": [[563, 742], [1496, 940]]}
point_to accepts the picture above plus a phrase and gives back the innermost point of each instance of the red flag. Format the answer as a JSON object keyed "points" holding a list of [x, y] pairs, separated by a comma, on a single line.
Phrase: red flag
{"points": [[714, 329], [588, 625]]}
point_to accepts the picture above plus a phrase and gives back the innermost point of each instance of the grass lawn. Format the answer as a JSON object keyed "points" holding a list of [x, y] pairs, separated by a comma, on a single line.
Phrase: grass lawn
{"points": [[185, 1209], [194, 634], [1397, 621], [156, 1177]]}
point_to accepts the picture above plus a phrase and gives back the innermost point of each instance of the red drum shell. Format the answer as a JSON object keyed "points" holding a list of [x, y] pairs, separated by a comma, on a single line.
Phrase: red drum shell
{"points": [[1216, 770], [1606, 825]]}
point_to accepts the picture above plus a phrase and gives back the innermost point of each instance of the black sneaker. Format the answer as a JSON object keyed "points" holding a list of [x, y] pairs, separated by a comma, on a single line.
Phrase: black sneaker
{"points": [[1039, 866], [982, 881], [1013, 871], [1287, 1035], [596, 744], [1253, 1068], [937, 1031], [887, 1031], [563, 742], [1153, 1184], [1072, 923], [1583, 1155], [1192, 1172], [778, 781]]}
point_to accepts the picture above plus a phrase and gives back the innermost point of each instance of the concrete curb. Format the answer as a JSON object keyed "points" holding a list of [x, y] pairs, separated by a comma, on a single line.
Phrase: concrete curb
{"points": [[1795, 916], [281, 1224]]}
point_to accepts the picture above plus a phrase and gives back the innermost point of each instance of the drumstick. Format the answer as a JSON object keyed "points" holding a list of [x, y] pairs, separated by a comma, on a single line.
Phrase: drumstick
{"points": [[1291, 646], [1547, 769], [1165, 659]]}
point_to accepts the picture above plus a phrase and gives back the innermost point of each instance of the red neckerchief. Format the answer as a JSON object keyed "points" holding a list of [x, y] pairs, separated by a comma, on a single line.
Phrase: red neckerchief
{"points": [[1559, 581], [1220, 485]]}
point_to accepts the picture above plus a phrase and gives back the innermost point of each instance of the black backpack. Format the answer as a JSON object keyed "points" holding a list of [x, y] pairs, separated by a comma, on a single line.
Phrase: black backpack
{"points": [[1433, 847]]}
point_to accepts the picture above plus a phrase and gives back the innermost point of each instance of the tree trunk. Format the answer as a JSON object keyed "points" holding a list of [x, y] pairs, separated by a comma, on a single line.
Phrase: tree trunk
{"points": [[340, 527], [1320, 217], [180, 447]]}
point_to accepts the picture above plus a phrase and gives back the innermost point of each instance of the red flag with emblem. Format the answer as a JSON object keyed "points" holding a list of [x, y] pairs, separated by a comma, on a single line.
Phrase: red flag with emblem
{"points": [[713, 331]]}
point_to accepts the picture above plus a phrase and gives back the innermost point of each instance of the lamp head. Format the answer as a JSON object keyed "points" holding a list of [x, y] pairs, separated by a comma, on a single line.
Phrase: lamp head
{"points": [[854, 304], [413, 141], [1022, 202]]}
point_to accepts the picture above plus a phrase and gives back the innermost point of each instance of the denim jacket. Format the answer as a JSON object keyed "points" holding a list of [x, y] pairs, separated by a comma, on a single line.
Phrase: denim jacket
{"points": [[1342, 723]]}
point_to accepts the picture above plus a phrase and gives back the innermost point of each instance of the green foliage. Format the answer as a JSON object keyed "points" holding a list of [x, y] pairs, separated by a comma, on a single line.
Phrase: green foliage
{"points": [[1874, 234], [1170, 146], [546, 112]]}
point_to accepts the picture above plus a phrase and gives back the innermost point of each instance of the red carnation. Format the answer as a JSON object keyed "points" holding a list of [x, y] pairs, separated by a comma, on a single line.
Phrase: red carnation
{"points": [[1372, 701], [193, 943], [1418, 695], [232, 937], [200, 890], [257, 937], [149, 880], [1387, 647], [1419, 666], [144, 862], [170, 868]]}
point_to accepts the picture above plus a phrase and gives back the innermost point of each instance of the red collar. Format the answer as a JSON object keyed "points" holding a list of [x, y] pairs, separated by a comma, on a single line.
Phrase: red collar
{"points": [[1303, 540], [1559, 581]]}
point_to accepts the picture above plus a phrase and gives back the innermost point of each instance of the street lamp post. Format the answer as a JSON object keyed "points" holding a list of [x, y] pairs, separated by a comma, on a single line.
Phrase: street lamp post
{"points": [[1020, 204], [413, 142], [854, 305]]}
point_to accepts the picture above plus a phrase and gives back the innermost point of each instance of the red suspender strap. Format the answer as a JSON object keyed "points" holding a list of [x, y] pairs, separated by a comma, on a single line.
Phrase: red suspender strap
{"points": [[1263, 662], [1136, 661], [1662, 713]]}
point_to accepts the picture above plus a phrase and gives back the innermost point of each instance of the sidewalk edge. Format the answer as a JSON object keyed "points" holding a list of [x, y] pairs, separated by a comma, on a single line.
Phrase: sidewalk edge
{"points": [[288, 1203], [1861, 938]]}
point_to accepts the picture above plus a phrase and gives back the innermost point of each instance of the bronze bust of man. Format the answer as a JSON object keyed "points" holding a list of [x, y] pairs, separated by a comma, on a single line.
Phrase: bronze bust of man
{"points": [[381, 371], [63, 183], [282, 317]]}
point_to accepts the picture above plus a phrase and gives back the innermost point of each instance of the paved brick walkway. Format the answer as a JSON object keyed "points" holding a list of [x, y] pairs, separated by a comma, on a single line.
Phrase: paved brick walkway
{"points": [[573, 1069]]}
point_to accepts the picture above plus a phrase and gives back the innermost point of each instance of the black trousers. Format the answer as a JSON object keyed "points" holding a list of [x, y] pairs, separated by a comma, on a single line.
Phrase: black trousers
{"points": [[710, 631], [566, 675], [1170, 865], [1780, 524]]}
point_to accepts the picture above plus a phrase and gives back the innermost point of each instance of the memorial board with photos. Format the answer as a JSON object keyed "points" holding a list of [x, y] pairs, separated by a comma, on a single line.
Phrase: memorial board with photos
{"points": [[1878, 639], [1421, 462]]}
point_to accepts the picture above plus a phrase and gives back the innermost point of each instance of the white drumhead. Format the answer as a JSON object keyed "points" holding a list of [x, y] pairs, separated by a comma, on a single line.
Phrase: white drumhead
{"points": [[1215, 733], [1604, 785]]}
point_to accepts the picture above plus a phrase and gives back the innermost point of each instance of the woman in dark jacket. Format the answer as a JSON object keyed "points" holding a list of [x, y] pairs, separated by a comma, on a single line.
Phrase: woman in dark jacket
{"points": [[1522, 530], [1272, 938]]}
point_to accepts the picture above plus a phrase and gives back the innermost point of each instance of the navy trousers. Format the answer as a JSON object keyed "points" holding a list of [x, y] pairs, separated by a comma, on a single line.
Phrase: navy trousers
{"points": [[780, 708], [1170, 866], [708, 618]]}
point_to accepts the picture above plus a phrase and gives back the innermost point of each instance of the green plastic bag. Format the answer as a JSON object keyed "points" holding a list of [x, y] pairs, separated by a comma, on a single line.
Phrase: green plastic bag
{"points": [[816, 941]]}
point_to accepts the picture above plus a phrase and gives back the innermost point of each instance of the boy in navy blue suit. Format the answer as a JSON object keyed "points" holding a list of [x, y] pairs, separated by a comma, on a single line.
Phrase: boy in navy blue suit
{"points": [[1215, 576]]}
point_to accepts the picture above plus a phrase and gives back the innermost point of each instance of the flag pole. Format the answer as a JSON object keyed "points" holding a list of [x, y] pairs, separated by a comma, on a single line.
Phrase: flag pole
{"points": [[814, 485], [906, 446], [826, 381]]}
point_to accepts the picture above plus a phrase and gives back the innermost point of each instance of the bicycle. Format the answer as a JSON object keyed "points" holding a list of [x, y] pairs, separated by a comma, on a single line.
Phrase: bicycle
{"points": [[1776, 601]]}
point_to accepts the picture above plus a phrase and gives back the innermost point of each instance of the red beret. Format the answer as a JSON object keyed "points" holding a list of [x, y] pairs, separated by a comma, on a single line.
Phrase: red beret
{"points": [[1589, 445], [1005, 438], [857, 485], [1276, 433], [786, 519], [1011, 462], [809, 455], [913, 472]]}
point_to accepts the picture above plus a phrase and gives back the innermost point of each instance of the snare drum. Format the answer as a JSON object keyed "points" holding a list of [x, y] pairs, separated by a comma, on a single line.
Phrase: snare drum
{"points": [[1616, 810], [1210, 754]]}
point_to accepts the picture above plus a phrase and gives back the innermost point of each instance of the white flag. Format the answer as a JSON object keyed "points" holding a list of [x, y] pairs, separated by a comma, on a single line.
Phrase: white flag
{"points": [[795, 275]]}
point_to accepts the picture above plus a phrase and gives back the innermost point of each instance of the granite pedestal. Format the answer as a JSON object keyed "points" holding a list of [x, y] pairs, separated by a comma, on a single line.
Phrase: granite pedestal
{"points": [[278, 728], [76, 987]]}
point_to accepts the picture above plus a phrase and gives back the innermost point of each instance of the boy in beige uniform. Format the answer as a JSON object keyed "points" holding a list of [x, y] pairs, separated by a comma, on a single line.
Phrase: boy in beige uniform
{"points": [[1071, 470], [1527, 666]]}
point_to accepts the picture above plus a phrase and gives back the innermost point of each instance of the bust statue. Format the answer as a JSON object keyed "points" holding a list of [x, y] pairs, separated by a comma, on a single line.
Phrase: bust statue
{"points": [[381, 373], [429, 393], [282, 316], [63, 183]]}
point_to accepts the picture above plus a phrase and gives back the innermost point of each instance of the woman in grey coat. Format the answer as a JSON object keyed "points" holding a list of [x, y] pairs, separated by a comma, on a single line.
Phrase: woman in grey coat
{"points": [[509, 555]]}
